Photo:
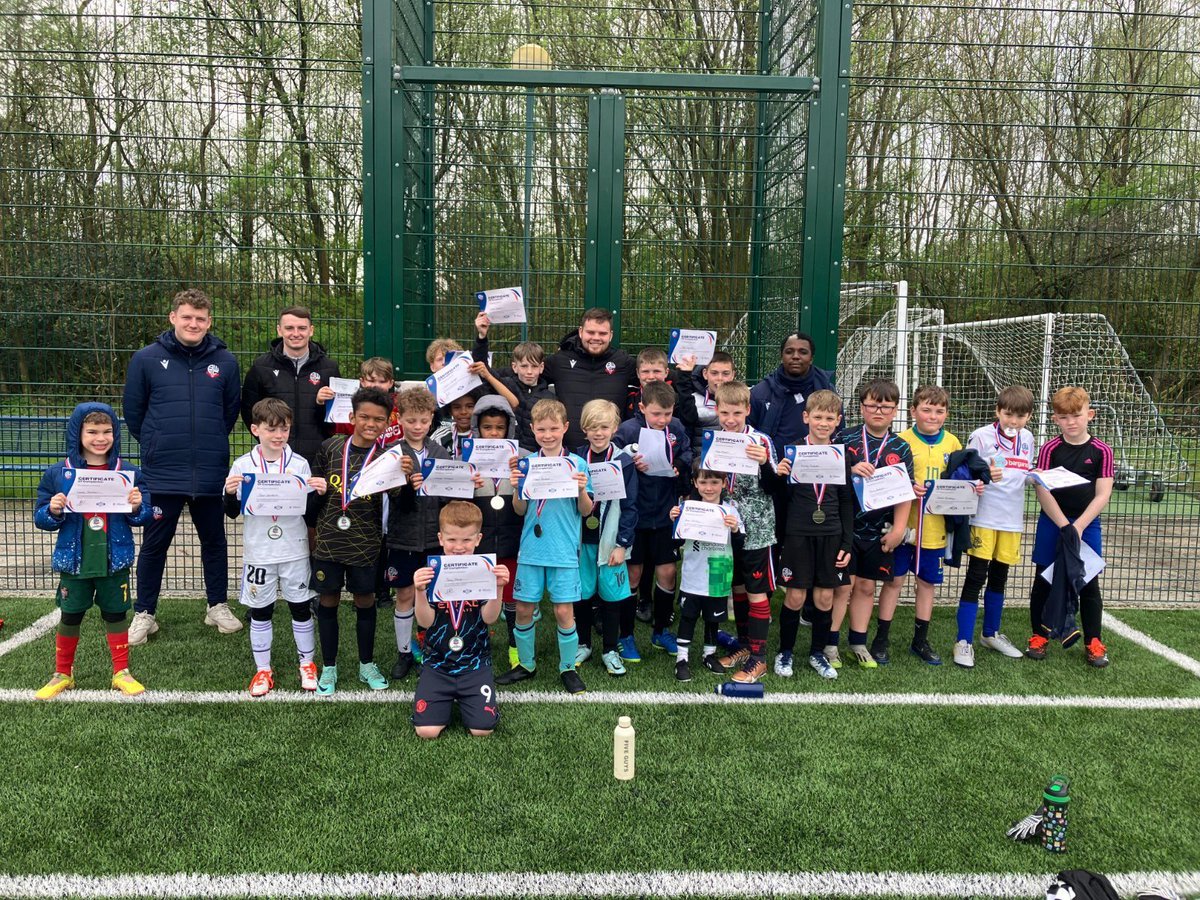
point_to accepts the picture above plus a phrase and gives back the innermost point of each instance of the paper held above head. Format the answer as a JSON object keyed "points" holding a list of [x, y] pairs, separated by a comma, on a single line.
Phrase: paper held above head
{"points": [[453, 380], [725, 451], [98, 491], [655, 449], [687, 342], [504, 306], [816, 463]]}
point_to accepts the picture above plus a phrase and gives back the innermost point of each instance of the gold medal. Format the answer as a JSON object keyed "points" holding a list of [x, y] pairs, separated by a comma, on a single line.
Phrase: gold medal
{"points": [[818, 515], [592, 523]]}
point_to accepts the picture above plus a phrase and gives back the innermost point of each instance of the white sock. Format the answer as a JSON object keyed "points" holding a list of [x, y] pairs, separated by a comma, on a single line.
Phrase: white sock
{"points": [[262, 633], [403, 620], [681, 655], [710, 649], [305, 635]]}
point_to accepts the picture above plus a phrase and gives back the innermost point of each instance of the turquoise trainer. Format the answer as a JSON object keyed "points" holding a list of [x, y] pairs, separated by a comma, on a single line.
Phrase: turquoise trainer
{"points": [[328, 681], [369, 674]]}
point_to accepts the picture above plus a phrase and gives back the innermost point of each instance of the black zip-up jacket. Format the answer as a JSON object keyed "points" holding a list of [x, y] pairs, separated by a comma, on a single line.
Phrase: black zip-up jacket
{"points": [[578, 377], [274, 375]]}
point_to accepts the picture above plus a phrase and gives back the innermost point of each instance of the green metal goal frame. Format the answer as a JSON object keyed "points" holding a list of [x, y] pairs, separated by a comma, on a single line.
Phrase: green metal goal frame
{"points": [[397, 110]]}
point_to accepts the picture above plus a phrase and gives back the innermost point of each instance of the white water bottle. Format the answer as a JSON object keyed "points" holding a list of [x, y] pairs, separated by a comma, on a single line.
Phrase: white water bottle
{"points": [[623, 747]]}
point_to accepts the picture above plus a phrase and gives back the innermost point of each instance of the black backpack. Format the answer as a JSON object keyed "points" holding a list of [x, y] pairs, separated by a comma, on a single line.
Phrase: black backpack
{"points": [[1081, 884]]}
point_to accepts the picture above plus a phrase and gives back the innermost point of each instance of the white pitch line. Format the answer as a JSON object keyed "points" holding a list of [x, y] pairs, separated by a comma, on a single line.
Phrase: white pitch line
{"points": [[633, 698], [571, 884], [41, 627], [1112, 623]]}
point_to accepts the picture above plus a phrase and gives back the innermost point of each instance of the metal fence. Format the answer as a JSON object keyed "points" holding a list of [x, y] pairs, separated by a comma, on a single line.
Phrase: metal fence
{"points": [[1009, 161]]}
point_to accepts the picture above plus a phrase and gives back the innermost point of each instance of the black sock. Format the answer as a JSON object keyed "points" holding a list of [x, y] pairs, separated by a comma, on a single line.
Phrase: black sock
{"points": [[789, 625], [510, 620], [976, 577], [921, 632], [710, 633], [858, 638], [882, 628], [664, 605], [364, 628], [809, 611], [627, 616], [610, 623], [741, 618], [689, 614], [1038, 596], [583, 621], [820, 630], [327, 627]]}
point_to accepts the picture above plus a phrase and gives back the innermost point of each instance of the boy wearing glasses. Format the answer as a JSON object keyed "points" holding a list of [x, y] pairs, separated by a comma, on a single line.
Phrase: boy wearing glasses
{"points": [[877, 533]]}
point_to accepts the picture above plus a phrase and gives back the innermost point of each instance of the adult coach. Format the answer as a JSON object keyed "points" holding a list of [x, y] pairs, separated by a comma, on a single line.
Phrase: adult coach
{"points": [[777, 402], [181, 402], [587, 367], [295, 370]]}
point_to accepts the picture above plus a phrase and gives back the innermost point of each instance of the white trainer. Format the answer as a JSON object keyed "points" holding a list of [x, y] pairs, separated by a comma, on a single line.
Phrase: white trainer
{"points": [[222, 618], [1001, 644], [783, 665], [582, 655], [964, 654], [140, 629]]}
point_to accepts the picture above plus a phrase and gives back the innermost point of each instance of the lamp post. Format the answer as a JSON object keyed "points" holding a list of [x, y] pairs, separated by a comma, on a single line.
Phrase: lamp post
{"points": [[529, 56]]}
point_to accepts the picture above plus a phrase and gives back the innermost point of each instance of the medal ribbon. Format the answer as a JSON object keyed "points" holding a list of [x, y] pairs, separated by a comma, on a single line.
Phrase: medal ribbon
{"points": [[116, 468], [347, 485], [541, 504], [262, 462], [867, 448], [818, 489], [1012, 447], [456, 618]]}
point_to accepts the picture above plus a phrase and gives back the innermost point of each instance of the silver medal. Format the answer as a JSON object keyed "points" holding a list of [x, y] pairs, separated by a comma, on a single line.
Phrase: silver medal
{"points": [[497, 502], [456, 643], [96, 523], [274, 532], [343, 523]]}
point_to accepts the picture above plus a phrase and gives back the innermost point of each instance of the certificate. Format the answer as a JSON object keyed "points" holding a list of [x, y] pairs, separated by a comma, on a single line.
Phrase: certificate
{"points": [[489, 456], [452, 380], [504, 306], [688, 342], [547, 478], [952, 497], [655, 449], [462, 578], [1093, 565], [1057, 478], [383, 473], [98, 491], [699, 521], [725, 451], [608, 482], [887, 487], [273, 494], [447, 478], [337, 408], [816, 463]]}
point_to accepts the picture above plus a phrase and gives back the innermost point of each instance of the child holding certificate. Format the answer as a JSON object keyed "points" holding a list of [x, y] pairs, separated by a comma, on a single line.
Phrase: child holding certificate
{"points": [[548, 561], [658, 491], [458, 653], [348, 539], [877, 532], [412, 519], [607, 536], [93, 551], [819, 538], [753, 566], [275, 548]]}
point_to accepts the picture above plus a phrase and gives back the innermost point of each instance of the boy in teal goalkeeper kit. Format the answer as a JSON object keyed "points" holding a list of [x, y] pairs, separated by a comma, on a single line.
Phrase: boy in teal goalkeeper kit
{"points": [[93, 551]]}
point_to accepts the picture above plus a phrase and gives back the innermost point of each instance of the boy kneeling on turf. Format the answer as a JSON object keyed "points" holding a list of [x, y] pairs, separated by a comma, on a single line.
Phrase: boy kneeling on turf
{"points": [[458, 653], [93, 551]]}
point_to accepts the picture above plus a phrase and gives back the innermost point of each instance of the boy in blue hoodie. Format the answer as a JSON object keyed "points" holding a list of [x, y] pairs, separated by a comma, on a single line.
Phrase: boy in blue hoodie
{"points": [[93, 551]]}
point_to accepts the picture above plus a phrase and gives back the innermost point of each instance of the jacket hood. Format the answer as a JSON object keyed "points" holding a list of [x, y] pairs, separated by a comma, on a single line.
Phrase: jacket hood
{"points": [[315, 351], [494, 402], [207, 344], [75, 432]]}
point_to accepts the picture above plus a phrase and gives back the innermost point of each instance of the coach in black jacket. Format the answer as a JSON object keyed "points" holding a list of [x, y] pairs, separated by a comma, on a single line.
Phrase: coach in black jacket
{"points": [[587, 367], [296, 370]]}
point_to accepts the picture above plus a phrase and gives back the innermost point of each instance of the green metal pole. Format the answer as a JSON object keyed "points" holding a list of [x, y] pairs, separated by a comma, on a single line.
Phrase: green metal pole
{"points": [[825, 181], [758, 223], [529, 114], [379, 245]]}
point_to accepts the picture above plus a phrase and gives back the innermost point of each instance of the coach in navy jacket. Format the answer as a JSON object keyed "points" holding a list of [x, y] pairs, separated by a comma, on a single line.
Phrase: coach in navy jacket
{"points": [[777, 402], [182, 397]]}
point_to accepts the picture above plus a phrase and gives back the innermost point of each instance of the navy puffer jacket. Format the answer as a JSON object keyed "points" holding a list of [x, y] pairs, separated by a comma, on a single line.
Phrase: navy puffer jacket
{"points": [[180, 404]]}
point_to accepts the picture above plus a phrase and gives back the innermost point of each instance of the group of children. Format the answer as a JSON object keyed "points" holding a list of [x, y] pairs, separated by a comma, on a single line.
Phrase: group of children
{"points": [[607, 563]]}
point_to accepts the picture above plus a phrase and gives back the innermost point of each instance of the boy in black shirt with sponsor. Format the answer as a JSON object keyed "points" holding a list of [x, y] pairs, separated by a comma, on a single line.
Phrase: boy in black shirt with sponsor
{"points": [[877, 533], [458, 653], [348, 538], [816, 551]]}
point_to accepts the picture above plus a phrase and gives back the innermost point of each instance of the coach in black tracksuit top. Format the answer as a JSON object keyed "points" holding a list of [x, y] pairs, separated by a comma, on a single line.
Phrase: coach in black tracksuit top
{"points": [[295, 370], [587, 367]]}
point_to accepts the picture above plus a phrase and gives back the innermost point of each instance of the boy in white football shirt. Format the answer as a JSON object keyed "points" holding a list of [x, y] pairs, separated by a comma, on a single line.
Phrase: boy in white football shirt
{"points": [[275, 548], [996, 528]]}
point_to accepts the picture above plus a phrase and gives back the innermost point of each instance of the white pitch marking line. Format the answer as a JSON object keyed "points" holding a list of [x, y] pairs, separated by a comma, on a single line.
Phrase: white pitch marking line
{"points": [[634, 698], [41, 627], [1112, 623], [570, 884]]}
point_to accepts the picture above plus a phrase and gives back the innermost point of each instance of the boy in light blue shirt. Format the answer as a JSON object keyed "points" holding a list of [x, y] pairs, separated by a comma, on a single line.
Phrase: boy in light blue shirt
{"points": [[548, 560]]}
